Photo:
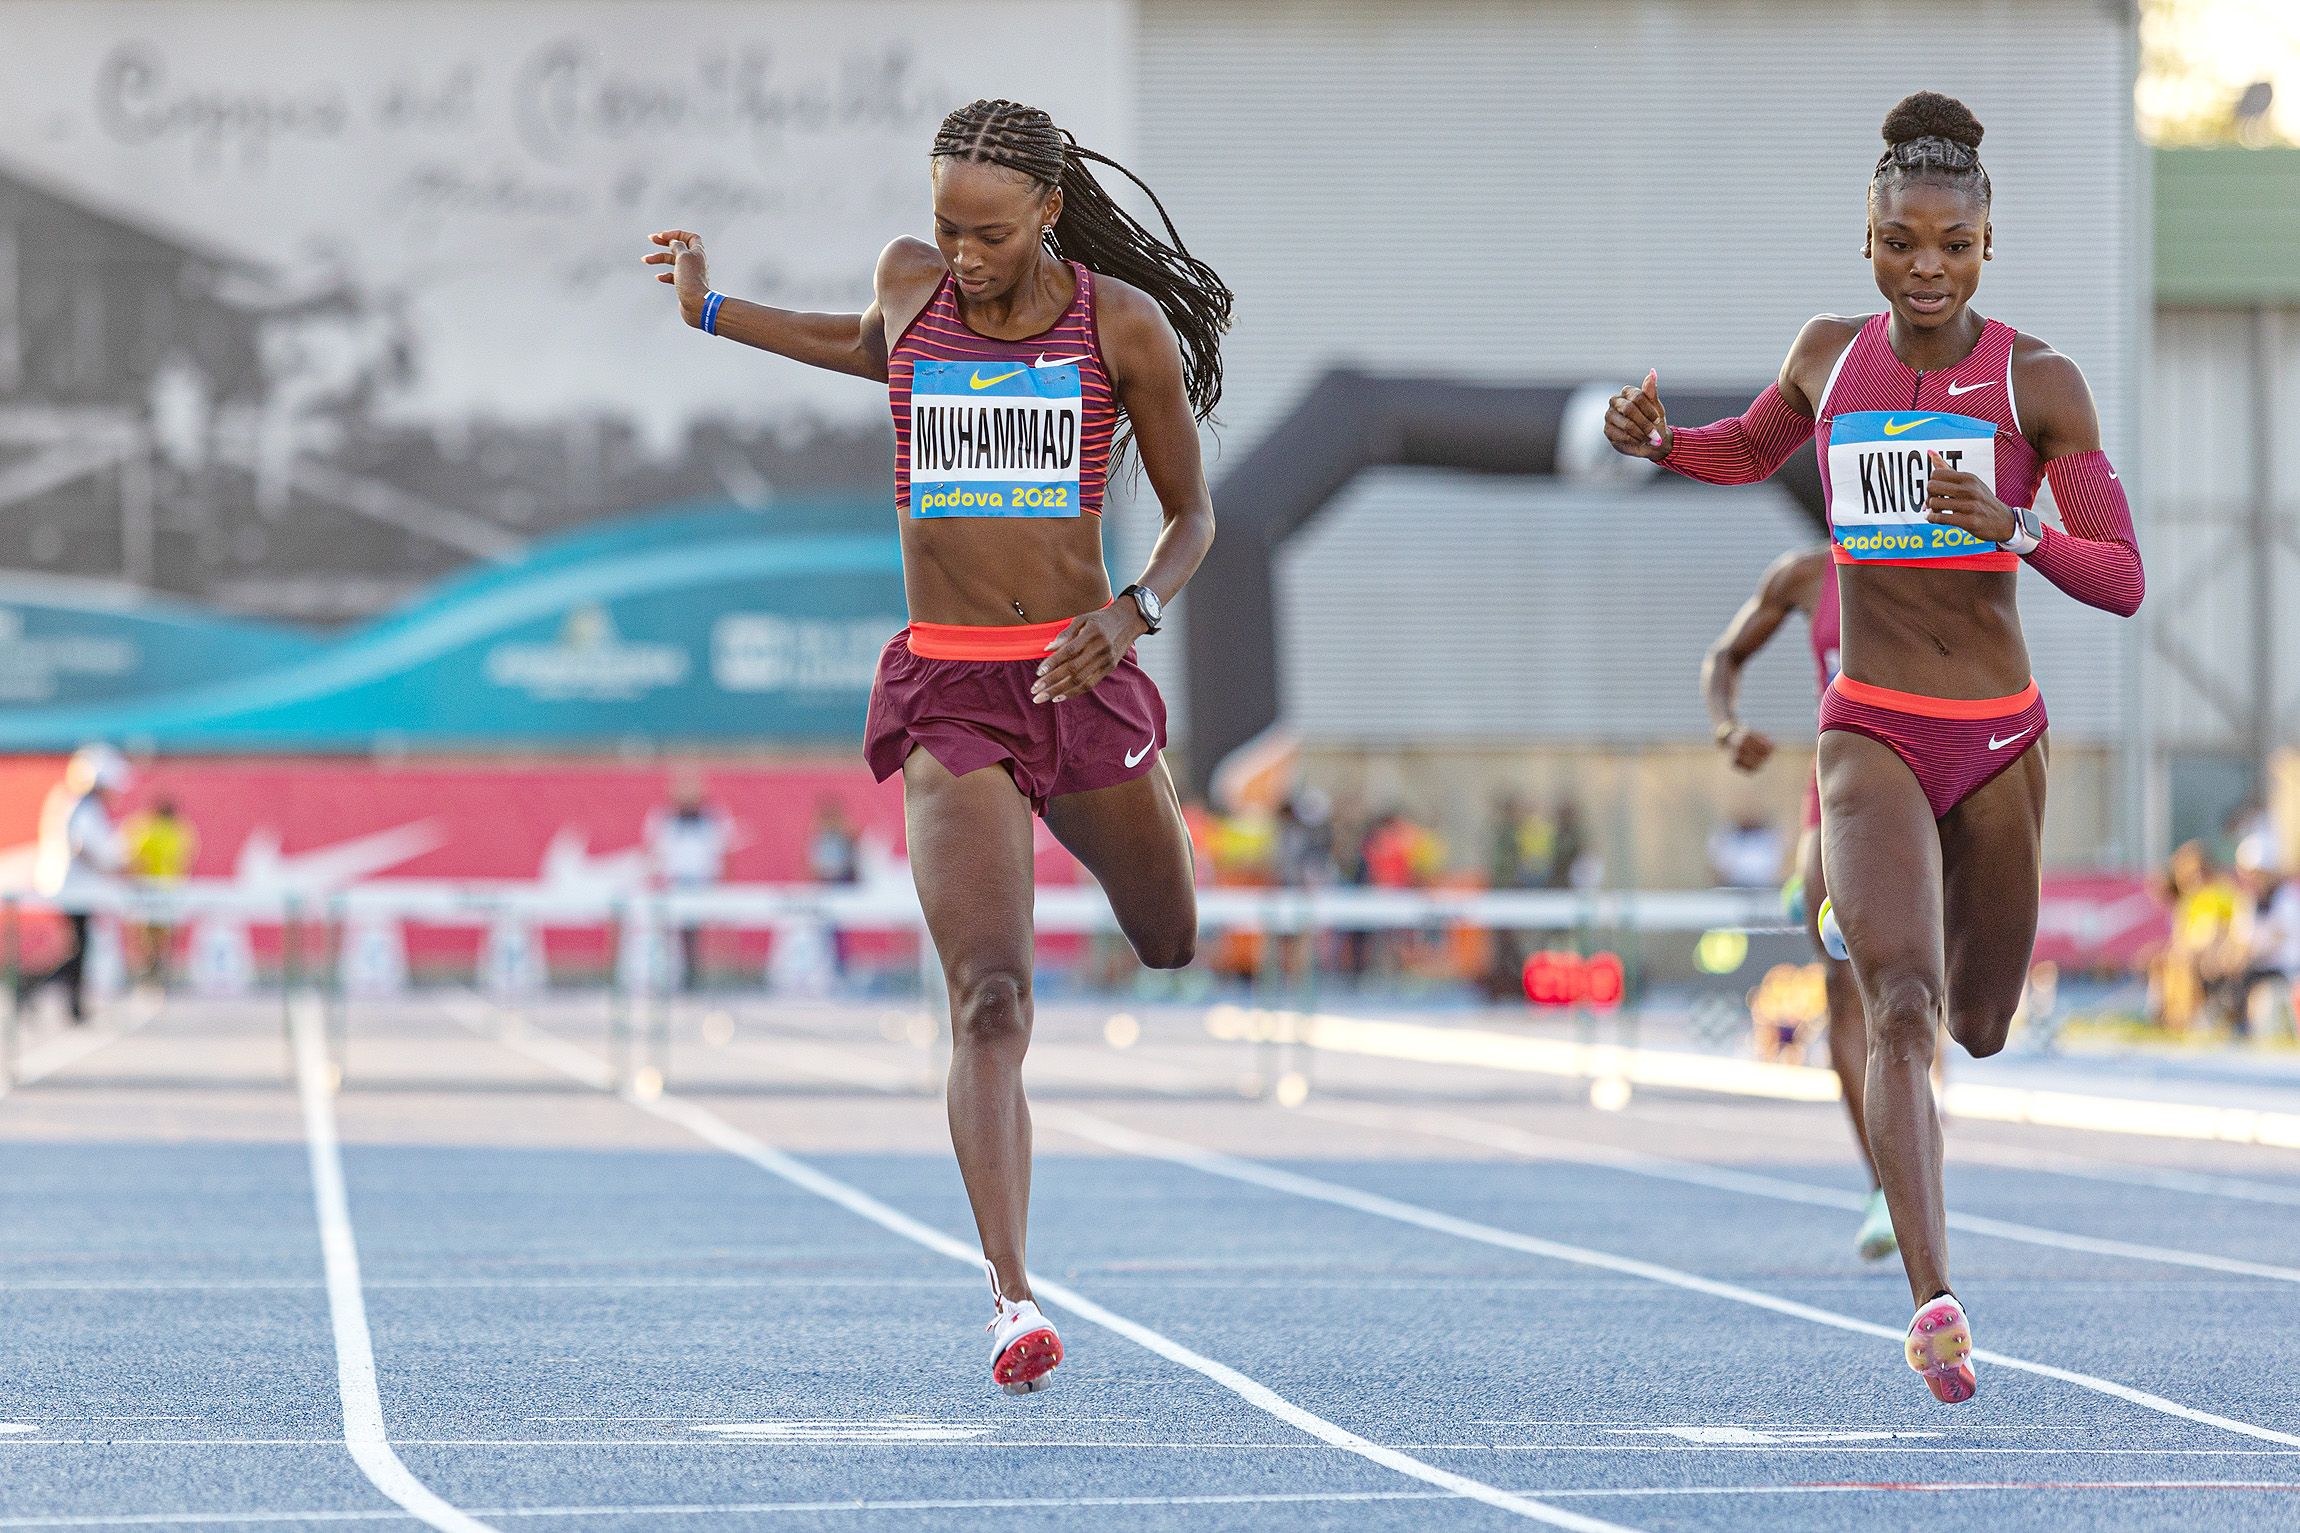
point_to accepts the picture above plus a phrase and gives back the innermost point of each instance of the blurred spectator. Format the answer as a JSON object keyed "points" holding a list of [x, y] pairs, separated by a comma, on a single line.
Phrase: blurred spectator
{"points": [[2196, 961], [78, 853], [1403, 854], [834, 849], [161, 848], [687, 844], [1524, 846], [2272, 948], [1746, 854], [834, 856], [1306, 840], [1571, 865]]}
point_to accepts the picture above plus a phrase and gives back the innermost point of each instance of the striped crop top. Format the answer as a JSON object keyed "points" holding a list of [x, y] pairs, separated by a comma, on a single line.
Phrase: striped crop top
{"points": [[985, 427]]}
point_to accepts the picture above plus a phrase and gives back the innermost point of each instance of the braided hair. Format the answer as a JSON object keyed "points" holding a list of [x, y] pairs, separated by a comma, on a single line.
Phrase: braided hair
{"points": [[1099, 234], [1931, 137]]}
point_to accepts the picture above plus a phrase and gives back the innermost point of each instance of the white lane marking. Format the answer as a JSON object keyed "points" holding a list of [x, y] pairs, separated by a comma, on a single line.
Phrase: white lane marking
{"points": [[363, 1428], [892, 1431], [1064, 1503], [1194, 1446], [37, 1064], [1479, 1048], [14, 1428], [2163, 1178], [1768, 1436], [712, 1129], [1752, 1184], [1253, 1173]]}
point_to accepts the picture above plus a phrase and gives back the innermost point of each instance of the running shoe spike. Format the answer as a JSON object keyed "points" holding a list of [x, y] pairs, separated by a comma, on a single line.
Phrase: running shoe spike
{"points": [[1940, 1347], [1875, 1241], [1024, 1348], [1832, 935]]}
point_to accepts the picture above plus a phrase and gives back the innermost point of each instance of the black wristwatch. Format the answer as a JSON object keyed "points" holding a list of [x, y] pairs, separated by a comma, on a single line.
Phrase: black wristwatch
{"points": [[1146, 601]]}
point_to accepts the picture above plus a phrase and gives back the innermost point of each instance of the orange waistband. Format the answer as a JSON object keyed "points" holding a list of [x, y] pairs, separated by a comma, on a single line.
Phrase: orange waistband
{"points": [[999, 641], [1934, 707], [1999, 560]]}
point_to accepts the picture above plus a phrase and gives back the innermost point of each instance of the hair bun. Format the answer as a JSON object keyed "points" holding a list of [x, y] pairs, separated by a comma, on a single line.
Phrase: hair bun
{"points": [[1929, 114]]}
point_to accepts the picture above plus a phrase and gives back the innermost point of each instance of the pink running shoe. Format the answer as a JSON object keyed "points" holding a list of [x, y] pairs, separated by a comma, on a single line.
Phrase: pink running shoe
{"points": [[1940, 1346]]}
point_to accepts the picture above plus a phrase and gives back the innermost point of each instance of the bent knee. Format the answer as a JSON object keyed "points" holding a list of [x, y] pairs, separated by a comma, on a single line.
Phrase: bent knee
{"points": [[1981, 1030], [1902, 1004], [990, 1004], [1172, 948]]}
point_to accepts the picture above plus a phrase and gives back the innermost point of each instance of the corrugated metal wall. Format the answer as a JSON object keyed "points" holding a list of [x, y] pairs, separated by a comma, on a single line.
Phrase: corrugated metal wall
{"points": [[2205, 452], [1579, 190]]}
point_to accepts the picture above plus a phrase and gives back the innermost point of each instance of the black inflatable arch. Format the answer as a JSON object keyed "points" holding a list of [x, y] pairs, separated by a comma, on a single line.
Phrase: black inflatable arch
{"points": [[1347, 423]]}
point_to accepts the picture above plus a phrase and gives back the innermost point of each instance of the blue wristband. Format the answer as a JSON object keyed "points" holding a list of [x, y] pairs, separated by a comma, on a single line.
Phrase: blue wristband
{"points": [[711, 302]]}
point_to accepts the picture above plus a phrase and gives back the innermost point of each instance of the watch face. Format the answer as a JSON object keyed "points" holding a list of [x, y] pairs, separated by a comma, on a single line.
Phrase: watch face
{"points": [[1147, 600]]}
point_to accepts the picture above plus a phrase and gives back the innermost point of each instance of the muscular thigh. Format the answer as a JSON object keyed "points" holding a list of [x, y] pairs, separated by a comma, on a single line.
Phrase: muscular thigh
{"points": [[1132, 838], [1991, 863], [1881, 856], [970, 853]]}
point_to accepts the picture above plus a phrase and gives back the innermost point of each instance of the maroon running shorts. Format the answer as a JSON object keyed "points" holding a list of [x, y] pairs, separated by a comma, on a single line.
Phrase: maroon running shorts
{"points": [[1954, 746], [963, 695]]}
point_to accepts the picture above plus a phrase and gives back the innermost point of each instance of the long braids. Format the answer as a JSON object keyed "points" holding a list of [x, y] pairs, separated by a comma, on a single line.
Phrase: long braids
{"points": [[1099, 234]]}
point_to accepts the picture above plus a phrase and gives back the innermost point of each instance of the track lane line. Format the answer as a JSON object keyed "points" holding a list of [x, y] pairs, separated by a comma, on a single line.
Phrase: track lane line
{"points": [[1084, 1503], [716, 1131], [1253, 1173], [1469, 1129], [42, 1060], [364, 1434]]}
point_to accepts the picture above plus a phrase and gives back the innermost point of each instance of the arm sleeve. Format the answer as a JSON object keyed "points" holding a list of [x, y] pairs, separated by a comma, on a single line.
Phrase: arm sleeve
{"points": [[2096, 560], [1741, 450]]}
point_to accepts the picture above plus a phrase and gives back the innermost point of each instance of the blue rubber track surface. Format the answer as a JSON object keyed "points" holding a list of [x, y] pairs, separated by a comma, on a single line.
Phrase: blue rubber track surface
{"points": [[584, 1317]]}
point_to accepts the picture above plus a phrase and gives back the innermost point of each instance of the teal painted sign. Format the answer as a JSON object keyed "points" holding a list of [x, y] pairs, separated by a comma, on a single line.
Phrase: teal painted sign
{"points": [[702, 626]]}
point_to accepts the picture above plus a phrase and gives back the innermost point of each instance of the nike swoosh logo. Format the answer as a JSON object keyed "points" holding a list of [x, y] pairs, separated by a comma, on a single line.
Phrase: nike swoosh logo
{"points": [[981, 382], [1895, 428], [1968, 388], [1996, 744], [1043, 361], [1134, 758], [2112, 473]]}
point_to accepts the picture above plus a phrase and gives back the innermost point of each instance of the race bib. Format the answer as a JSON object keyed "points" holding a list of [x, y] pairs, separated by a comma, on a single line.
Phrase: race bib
{"points": [[1877, 473], [994, 439]]}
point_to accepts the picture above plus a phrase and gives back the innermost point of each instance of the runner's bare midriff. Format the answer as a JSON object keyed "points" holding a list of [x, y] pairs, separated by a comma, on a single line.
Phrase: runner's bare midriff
{"points": [[977, 570], [1937, 633]]}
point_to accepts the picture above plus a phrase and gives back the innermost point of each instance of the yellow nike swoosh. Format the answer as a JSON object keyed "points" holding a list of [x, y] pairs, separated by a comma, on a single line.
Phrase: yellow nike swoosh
{"points": [[1893, 428], [981, 382]]}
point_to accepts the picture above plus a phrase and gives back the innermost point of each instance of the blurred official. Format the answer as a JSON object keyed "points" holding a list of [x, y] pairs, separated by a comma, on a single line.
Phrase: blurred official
{"points": [[80, 850]]}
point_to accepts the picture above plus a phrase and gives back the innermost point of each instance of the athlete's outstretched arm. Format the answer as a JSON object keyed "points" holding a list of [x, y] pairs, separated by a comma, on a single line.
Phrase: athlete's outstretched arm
{"points": [[1790, 585], [1145, 362], [841, 343], [1745, 448], [2097, 559]]}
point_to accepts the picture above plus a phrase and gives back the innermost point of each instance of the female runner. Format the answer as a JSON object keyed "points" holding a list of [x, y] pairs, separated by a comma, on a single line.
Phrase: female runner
{"points": [[1802, 580], [1011, 348], [1934, 428]]}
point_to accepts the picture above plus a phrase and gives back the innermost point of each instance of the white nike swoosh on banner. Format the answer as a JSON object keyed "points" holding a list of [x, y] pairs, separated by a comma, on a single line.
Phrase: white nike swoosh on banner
{"points": [[1134, 758], [1970, 387], [1996, 744], [1058, 361]]}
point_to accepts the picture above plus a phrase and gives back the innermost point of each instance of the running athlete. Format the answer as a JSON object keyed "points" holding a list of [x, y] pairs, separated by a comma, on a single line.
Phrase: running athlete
{"points": [[1802, 580], [1042, 330], [1935, 427]]}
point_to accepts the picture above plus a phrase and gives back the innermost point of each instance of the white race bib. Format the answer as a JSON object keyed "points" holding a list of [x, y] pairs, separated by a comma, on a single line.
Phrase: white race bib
{"points": [[1878, 468], [994, 439]]}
